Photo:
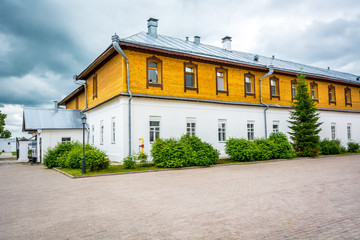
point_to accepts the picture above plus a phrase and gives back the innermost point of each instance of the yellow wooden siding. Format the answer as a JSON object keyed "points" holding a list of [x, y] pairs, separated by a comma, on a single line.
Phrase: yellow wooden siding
{"points": [[109, 80], [71, 104], [173, 83]]}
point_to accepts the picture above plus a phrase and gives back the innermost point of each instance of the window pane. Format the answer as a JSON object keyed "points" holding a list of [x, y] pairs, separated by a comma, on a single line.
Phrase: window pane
{"points": [[153, 64], [220, 82], [248, 87], [219, 74], [151, 136], [272, 83], [273, 90], [154, 123], [247, 79], [189, 70], [153, 76], [190, 80]]}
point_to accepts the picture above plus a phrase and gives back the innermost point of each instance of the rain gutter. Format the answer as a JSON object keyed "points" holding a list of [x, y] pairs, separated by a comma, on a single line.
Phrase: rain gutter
{"points": [[115, 41], [271, 70]]}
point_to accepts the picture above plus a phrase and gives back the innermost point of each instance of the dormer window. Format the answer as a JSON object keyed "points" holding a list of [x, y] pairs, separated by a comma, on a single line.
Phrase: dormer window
{"points": [[249, 84], [332, 95], [190, 77], [348, 97], [314, 91], [154, 72], [274, 88], [221, 81]]}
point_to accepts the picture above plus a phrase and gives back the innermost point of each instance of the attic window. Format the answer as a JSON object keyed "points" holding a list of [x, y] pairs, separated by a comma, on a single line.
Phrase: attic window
{"points": [[154, 72], [256, 58]]}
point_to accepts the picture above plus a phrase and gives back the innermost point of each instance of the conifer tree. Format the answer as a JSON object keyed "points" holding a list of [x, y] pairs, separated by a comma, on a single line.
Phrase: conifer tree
{"points": [[304, 121]]}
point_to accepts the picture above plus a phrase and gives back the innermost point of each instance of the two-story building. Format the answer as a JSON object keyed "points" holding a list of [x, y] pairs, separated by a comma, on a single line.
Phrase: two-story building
{"points": [[149, 85]]}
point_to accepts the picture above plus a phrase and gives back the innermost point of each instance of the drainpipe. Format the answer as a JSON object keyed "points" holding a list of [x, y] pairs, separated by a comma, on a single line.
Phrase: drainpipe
{"points": [[115, 41], [271, 70], [83, 83]]}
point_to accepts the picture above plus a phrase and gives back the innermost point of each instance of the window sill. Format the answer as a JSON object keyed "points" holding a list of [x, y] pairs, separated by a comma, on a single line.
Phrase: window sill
{"points": [[222, 91], [330, 102], [95, 95], [249, 94], [316, 100], [155, 85], [275, 96], [348, 104], [192, 89]]}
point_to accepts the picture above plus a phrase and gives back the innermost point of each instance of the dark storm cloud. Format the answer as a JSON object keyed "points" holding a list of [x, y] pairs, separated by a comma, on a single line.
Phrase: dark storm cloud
{"points": [[36, 44], [321, 43]]}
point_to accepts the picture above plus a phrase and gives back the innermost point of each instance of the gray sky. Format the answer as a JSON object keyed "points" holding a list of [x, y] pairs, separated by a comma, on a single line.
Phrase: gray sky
{"points": [[44, 43]]}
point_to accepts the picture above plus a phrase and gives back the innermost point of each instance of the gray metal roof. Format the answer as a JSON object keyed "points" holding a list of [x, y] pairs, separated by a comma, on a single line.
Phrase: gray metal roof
{"points": [[183, 46], [34, 119]]}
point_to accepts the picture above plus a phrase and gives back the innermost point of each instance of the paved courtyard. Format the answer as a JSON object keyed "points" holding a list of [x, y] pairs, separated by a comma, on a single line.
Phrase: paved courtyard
{"points": [[297, 199]]}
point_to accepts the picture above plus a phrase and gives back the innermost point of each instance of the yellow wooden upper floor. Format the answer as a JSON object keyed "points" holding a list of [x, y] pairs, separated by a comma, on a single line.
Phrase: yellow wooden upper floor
{"points": [[162, 66], [164, 75]]}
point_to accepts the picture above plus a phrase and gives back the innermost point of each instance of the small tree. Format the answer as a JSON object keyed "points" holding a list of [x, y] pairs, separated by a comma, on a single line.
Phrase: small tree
{"points": [[304, 121], [3, 133]]}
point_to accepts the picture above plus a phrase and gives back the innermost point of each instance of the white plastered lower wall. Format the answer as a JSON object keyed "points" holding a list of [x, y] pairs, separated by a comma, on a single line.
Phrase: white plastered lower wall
{"points": [[47, 139], [173, 115]]}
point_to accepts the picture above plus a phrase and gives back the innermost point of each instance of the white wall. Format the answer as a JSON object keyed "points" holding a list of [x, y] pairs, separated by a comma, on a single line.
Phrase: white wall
{"points": [[173, 116], [8, 145], [50, 138]]}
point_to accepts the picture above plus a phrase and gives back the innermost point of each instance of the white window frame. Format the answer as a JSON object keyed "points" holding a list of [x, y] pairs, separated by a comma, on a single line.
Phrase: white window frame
{"points": [[250, 126], [276, 123], [222, 130], [113, 130], [101, 132], [349, 131], [333, 131], [155, 130], [191, 126], [93, 134]]}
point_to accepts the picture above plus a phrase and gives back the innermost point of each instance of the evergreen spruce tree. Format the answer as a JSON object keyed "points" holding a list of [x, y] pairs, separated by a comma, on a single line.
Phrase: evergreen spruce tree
{"points": [[304, 121]]}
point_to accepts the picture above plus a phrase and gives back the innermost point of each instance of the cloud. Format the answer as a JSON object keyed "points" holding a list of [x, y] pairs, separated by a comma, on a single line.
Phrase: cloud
{"points": [[333, 43]]}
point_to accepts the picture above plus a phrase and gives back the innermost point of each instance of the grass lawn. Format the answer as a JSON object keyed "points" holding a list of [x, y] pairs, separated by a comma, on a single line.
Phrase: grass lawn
{"points": [[120, 169], [111, 169], [13, 153]]}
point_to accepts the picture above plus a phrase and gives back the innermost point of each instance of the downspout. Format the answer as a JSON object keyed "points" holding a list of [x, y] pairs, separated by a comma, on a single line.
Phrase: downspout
{"points": [[115, 41], [83, 83], [271, 70]]}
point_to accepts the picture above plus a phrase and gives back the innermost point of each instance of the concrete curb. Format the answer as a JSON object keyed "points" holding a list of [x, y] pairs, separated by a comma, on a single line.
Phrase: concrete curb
{"points": [[196, 167]]}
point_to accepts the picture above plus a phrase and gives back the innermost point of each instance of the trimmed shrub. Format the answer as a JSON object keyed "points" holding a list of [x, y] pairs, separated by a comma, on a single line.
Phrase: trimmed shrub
{"points": [[129, 162], [282, 148], [185, 152], [275, 147], [52, 155], [353, 147], [69, 155], [330, 146], [242, 150]]}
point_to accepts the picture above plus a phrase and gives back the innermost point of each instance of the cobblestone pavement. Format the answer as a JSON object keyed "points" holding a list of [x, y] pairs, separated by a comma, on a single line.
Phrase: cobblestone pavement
{"points": [[297, 199]]}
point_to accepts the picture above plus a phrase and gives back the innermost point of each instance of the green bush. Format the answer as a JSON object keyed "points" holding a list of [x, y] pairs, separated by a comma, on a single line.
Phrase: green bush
{"points": [[282, 148], [353, 147], [52, 155], [129, 162], [242, 150], [330, 146], [275, 147], [185, 152], [69, 155]]}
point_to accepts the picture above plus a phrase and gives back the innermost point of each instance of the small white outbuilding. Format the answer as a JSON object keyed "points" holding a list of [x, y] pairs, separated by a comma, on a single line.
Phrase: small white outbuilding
{"points": [[51, 126]]}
